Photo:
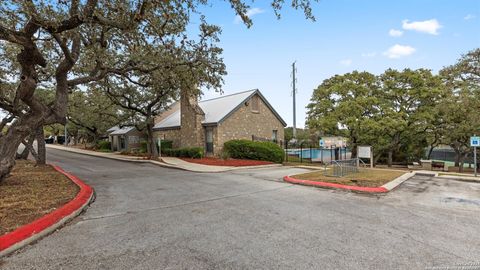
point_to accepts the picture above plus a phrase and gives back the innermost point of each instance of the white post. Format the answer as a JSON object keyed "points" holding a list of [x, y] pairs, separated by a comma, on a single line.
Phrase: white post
{"points": [[66, 144], [475, 160]]}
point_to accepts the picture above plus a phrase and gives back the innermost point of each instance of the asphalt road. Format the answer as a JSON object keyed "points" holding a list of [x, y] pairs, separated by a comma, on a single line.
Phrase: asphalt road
{"points": [[148, 217]]}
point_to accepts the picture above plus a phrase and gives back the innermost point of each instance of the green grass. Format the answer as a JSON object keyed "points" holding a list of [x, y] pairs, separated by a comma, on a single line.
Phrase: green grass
{"points": [[364, 178]]}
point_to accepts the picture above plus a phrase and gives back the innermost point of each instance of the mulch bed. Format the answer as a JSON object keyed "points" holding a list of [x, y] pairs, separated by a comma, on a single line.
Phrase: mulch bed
{"points": [[31, 192], [227, 162]]}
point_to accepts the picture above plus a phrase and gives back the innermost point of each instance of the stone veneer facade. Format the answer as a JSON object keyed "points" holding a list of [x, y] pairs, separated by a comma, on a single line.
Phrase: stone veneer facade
{"points": [[241, 124]]}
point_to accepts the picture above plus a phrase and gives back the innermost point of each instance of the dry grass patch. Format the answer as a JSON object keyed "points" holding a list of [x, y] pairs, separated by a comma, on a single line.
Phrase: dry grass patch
{"points": [[364, 178], [31, 192]]}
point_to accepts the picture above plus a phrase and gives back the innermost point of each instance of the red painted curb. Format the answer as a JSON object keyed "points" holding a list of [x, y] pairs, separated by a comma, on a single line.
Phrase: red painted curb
{"points": [[28, 230], [333, 185]]}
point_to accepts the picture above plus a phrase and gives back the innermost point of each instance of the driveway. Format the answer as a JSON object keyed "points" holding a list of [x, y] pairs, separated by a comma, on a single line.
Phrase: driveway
{"points": [[148, 217]]}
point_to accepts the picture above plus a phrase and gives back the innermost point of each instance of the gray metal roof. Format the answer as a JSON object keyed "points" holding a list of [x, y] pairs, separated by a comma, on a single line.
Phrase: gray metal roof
{"points": [[216, 109], [112, 129], [122, 131]]}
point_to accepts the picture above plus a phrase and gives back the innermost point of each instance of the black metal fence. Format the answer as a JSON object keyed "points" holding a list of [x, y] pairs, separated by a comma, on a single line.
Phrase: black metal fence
{"points": [[445, 154], [305, 152]]}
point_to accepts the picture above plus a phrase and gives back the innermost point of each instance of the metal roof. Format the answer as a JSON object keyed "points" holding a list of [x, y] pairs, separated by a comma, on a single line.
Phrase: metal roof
{"points": [[217, 109], [122, 131]]}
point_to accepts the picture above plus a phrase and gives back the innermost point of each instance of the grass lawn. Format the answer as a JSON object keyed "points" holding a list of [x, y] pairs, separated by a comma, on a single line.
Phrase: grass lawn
{"points": [[31, 192], [457, 170], [364, 178]]}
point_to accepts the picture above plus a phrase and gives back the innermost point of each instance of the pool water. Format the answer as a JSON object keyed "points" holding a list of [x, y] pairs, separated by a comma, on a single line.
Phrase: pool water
{"points": [[317, 154]]}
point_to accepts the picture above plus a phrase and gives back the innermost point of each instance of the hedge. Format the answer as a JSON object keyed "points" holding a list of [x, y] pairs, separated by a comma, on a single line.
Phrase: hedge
{"points": [[165, 144], [245, 149], [104, 145], [188, 152]]}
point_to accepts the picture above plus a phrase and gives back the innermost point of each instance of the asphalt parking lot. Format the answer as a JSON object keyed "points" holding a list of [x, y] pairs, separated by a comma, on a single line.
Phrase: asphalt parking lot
{"points": [[148, 217]]}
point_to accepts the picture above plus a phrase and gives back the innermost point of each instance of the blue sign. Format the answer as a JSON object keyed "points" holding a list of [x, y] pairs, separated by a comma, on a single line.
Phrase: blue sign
{"points": [[322, 143], [475, 141]]}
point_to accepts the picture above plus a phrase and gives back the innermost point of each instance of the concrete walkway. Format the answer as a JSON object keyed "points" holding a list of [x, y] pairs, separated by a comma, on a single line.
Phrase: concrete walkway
{"points": [[170, 162]]}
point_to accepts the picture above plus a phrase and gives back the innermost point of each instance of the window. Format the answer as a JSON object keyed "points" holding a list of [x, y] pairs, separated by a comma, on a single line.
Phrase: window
{"points": [[255, 104], [274, 135]]}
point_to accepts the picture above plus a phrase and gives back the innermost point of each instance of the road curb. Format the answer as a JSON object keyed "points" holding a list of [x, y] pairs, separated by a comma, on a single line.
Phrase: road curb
{"points": [[333, 185], [382, 189], [47, 224]]}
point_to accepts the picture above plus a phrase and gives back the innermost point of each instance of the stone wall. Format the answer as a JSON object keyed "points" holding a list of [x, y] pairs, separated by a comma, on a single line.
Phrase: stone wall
{"points": [[245, 122], [191, 117], [170, 135]]}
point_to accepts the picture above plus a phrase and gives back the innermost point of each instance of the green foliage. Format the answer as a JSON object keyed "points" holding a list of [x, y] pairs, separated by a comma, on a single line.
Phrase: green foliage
{"points": [[302, 134], [166, 144], [93, 113], [143, 147], [392, 111], [224, 155], [245, 149], [188, 152], [104, 145]]}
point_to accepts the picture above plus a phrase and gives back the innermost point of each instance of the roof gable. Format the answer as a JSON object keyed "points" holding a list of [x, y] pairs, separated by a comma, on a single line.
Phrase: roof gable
{"points": [[218, 109]]}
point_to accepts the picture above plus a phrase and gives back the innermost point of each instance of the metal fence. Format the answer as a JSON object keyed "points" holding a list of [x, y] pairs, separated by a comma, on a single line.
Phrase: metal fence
{"points": [[307, 153], [339, 168], [449, 155]]}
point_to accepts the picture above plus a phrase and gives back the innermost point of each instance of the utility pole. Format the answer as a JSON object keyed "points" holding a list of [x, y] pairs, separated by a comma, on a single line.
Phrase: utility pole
{"points": [[294, 91]]}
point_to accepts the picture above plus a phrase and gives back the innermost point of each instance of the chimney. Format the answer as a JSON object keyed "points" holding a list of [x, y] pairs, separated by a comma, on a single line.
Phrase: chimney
{"points": [[191, 118]]}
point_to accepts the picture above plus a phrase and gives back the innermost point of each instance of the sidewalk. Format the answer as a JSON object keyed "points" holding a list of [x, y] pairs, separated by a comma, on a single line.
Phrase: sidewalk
{"points": [[170, 162]]}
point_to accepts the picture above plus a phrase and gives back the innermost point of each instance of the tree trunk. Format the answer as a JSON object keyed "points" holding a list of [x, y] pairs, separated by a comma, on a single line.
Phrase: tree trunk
{"points": [[354, 148], [41, 151], [430, 151], [151, 146], [457, 158], [9, 146], [390, 158]]}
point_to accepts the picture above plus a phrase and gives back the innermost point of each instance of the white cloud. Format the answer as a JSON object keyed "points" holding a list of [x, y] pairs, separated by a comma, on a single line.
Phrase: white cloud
{"points": [[395, 33], [250, 13], [469, 17], [369, 54], [346, 62], [428, 26], [398, 51]]}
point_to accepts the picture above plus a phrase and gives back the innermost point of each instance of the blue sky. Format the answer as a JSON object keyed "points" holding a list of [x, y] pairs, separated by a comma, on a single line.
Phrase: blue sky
{"points": [[348, 35]]}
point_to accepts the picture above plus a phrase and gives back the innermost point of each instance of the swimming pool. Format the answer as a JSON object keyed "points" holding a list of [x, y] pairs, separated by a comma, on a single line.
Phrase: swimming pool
{"points": [[317, 155]]}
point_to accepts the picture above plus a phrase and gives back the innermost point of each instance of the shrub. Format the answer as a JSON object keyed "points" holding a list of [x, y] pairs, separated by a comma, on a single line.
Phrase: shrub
{"points": [[165, 145], [143, 147], [188, 152], [104, 145], [245, 149]]}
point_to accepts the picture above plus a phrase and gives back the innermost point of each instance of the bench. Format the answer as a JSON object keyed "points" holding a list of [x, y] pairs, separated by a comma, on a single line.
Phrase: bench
{"points": [[438, 164]]}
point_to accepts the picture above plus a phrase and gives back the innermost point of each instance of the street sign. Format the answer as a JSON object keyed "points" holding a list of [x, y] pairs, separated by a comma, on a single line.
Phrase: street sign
{"points": [[321, 143], [475, 141]]}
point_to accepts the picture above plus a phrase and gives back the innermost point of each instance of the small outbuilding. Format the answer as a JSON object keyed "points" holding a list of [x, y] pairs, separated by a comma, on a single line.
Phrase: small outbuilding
{"points": [[124, 139], [211, 123]]}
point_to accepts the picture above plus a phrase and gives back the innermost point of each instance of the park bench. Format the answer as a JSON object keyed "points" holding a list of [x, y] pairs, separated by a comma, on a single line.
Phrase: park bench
{"points": [[438, 165]]}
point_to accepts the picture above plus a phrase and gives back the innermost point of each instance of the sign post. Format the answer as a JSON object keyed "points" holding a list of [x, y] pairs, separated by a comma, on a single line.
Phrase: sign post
{"points": [[365, 152], [475, 142]]}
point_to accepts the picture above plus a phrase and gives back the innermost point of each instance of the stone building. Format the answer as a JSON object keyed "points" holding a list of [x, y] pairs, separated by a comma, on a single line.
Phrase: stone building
{"points": [[124, 139], [211, 123]]}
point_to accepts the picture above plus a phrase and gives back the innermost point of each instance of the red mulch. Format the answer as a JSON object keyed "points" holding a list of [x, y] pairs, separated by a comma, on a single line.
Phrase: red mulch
{"points": [[227, 162]]}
